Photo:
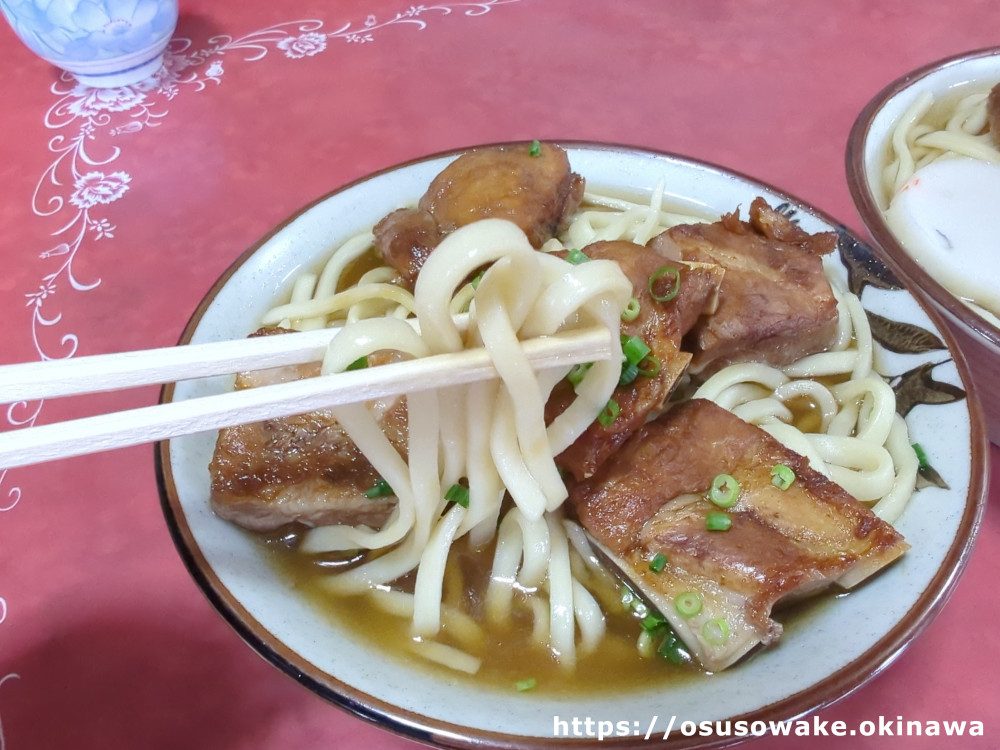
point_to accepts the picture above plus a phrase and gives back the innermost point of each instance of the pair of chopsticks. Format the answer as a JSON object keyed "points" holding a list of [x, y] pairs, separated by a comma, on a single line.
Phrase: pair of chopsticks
{"points": [[107, 372]]}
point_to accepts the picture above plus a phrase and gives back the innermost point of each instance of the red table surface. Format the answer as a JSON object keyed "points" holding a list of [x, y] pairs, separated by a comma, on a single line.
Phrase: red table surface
{"points": [[118, 212]]}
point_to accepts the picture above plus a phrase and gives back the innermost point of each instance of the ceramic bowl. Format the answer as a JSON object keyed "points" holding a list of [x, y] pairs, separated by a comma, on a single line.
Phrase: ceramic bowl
{"points": [[103, 43], [977, 334], [846, 641]]}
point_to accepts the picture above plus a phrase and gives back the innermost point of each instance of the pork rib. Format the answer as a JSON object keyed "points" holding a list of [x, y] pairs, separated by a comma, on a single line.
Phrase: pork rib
{"points": [[303, 468], [775, 302], [649, 499]]}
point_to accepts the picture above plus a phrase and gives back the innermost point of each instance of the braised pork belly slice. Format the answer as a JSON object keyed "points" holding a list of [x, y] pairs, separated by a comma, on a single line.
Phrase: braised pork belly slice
{"points": [[649, 499], [775, 303], [661, 325], [302, 468], [536, 191]]}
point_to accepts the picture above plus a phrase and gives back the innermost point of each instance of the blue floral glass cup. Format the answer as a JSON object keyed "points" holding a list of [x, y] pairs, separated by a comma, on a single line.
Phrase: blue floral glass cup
{"points": [[103, 43]]}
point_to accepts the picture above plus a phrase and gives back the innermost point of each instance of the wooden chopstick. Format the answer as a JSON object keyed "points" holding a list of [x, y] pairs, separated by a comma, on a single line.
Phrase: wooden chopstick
{"points": [[108, 372], [164, 421], [31, 381]]}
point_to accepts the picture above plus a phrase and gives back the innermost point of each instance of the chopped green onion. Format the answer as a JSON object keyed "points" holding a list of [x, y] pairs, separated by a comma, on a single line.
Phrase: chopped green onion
{"points": [[922, 462], [670, 648], [359, 364], [651, 623], [458, 494], [658, 563], [576, 375], [687, 604], [644, 644], [576, 256], [725, 491], [535, 149], [634, 349], [716, 631], [629, 373], [609, 414], [659, 273], [476, 279], [627, 597], [718, 522], [631, 311], [652, 369], [782, 476], [381, 488], [525, 685]]}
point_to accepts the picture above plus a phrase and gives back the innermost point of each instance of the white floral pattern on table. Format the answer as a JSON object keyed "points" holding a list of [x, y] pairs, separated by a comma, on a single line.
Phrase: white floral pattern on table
{"points": [[7, 677], [78, 183]]}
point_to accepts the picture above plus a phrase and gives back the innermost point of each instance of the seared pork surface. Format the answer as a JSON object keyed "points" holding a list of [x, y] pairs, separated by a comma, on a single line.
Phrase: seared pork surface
{"points": [[775, 303], [993, 114], [405, 238], [650, 498], [661, 325], [537, 192], [302, 468]]}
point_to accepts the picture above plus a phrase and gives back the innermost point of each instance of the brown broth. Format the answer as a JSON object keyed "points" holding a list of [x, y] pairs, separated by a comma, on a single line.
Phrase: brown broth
{"points": [[508, 653], [806, 415], [357, 268]]}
